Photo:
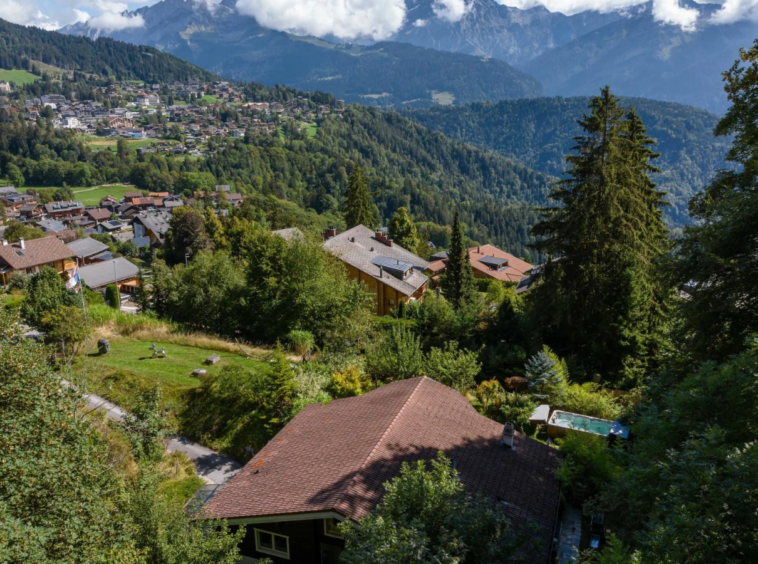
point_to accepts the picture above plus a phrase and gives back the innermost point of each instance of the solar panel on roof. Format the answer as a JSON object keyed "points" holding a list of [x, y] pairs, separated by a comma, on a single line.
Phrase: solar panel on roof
{"points": [[395, 267], [494, 262]]}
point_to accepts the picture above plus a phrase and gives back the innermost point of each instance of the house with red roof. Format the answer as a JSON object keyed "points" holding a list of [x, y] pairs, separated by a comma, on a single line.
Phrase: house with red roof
{"points": [[487, 261], [30, 256], [330, 463]]}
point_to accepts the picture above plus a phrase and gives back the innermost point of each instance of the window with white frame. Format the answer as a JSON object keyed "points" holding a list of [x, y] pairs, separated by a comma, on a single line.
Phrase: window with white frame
{"points": [[272, 543], [331, 528]]}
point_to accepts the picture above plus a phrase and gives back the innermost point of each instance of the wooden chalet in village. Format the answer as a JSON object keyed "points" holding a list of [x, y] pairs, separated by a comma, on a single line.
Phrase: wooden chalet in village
{"points": [[390, 272], [330, 463], [29, 257]]}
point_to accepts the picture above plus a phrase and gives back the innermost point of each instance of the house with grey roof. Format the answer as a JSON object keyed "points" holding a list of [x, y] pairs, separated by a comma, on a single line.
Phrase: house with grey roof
{"points": [[118, 271], [390, 272], [153, 224], [86, 250]]}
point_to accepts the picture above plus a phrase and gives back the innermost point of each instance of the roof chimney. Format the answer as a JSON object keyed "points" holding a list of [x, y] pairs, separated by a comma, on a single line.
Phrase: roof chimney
{"points": [[5, 243], [507, 438], [21, 243], [381, 271]]}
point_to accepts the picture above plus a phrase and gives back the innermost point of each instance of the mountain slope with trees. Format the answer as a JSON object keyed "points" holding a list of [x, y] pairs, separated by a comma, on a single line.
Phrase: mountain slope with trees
{"points": [[218, 38], [20, 45], [539, 132]]}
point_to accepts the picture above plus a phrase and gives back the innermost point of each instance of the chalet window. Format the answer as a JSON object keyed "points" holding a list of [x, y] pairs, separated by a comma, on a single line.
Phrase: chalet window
{"points": [[272, 543], [331, 528]]}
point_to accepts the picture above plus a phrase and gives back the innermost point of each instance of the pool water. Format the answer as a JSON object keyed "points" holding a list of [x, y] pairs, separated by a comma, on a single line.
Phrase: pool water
{"points": [[581, 423]]}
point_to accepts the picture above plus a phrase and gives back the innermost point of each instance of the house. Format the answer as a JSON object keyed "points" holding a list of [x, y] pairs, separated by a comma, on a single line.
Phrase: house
{"points": [[109, 202], [153, 224], [117, 271], [86, 250], [99, 215], [31, 211], [29, 257], [63, 210], [111, 226], [51, 225], [14, 201], [390, 272], [129, 196], [331, 461], [487, 261]]}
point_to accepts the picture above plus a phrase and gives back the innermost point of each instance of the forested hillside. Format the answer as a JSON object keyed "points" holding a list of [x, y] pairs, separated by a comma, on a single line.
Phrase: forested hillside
{"points": [[540, 132], [104, 57], [406, 164]]}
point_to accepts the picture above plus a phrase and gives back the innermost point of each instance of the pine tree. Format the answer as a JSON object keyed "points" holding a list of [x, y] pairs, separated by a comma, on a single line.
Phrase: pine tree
{"points": [[458, 280], [604, 294], [359, 209], [403, 230]]}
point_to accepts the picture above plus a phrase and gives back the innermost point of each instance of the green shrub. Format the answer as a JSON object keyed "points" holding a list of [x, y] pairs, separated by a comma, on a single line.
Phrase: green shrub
{"points": [[590, 399], [350, 383], [518, 408], [546, 375], [302, 342], [112, 296], [589, 466], [397, 356], [453, 367]]}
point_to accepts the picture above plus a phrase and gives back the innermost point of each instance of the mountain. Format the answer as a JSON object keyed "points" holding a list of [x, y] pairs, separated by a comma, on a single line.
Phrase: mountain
{"points": [[637, 56], [539, 133], [494, 30], [103, 57], [217, 38]]}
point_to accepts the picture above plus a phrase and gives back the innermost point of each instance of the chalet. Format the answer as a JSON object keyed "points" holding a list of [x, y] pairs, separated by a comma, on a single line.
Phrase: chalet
{"points": [[117, 271], [129, 196], [389, 271], [87, 250], [50, 225], [330, 464], [486, 261], [112, 226], [98, 215], [31, 211], [29, 257], [153, 224], [63, 210], [14, 201], [109, 202]]}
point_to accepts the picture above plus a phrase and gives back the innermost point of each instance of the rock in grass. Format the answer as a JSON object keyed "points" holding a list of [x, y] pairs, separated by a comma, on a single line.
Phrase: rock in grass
{"points": [[213, 359], [199, 372]]}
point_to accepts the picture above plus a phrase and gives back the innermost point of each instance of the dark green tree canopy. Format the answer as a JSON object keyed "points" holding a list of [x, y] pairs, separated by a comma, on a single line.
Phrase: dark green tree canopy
{"points": [[359, 207], [458, 279]]}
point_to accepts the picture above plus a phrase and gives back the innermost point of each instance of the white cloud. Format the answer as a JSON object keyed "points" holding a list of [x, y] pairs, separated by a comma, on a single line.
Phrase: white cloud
{"points": [[735, 10], [25, 13], [451, 10], [420, 23], [80, 16], [113, 21], [671, 12], [664, 11], [346, 19]]}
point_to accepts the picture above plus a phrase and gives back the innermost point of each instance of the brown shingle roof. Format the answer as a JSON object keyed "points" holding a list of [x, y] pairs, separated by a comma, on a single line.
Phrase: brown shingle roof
{"points": [[37, 252], [99, 214], [336, 457], [513, 272]]}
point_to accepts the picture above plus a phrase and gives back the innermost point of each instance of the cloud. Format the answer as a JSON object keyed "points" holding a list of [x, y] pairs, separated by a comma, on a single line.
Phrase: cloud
{"points": [[25, 13], [113, 21], [735, 10], [671, 12], [345, 19], [665, 11], [420, 23], [451, 10], [80, 16]]}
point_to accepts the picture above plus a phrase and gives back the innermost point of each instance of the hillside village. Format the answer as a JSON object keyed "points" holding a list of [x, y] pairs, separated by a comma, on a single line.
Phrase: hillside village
{"points": [[177, 118]]}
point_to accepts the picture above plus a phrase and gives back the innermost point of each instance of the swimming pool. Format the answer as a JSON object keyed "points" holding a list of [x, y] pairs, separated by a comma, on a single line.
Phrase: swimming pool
{"points": [[562, 421]]}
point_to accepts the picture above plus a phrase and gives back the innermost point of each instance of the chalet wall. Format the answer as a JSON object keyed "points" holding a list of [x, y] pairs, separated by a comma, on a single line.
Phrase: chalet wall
{"points": [[305, 538]]}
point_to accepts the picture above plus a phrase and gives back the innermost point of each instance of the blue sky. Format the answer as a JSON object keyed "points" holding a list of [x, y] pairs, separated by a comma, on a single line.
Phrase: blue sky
{"points": [[376, 19]]}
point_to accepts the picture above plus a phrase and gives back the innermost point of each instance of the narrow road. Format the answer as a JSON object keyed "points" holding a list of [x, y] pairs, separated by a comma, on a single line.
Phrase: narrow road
{"points": [[214, 467]]}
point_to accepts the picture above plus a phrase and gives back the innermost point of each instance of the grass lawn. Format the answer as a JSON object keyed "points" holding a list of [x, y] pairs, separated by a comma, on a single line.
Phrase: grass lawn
{"points": [[100, 143], [311, 129], [19, 77], [210, 99], [129, 368], [92, 197]]}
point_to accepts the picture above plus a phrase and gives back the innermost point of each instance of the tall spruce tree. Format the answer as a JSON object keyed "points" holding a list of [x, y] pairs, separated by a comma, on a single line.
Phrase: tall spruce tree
{"points": [[359, 208], [602, 300], [458, 280], [718, 256]]}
